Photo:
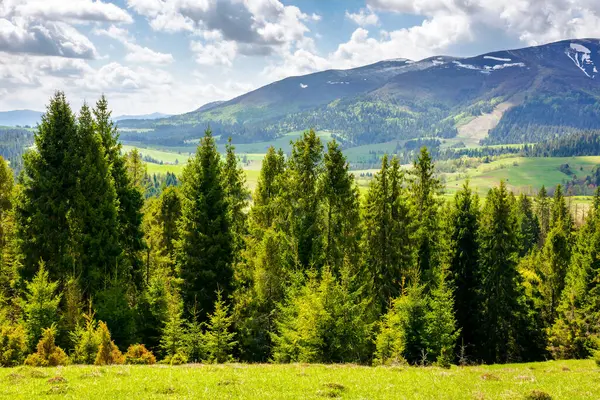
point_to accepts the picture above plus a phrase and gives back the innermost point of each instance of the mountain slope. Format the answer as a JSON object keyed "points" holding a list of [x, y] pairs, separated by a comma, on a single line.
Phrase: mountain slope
{"points": [[20, 117], [155, 115], [544, 90]]}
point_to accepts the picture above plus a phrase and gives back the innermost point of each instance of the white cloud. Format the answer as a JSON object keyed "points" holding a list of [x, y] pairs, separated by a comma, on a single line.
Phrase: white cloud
{"points": [[531, 21], [135, 53], [364, 17], [44, 38], [248, 27], [72, 10], [222, 52]]}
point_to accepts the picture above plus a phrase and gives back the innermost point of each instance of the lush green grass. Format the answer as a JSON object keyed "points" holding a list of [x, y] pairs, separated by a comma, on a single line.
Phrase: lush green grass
{"points": [[160, 155], [559, 379], [522, 174], [163, 169]]}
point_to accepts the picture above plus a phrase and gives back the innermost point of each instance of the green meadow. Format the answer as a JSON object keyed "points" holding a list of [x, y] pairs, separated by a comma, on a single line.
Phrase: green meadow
{"points": [[548, 380]]}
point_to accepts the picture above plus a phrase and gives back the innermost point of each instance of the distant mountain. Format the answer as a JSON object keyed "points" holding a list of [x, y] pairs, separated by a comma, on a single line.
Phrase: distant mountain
{"points": [[511, 96], [209, 106], [152, 116], [20, 117]]}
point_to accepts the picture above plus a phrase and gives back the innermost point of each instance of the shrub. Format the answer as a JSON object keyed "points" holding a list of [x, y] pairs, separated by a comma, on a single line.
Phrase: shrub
{"points": [[175, 359], [597, 357], [138, 354], [13, 345], [108, 352], [48, 353], [87, 342]]}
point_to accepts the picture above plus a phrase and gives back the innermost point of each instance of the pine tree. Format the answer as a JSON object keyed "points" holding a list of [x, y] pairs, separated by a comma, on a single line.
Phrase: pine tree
{"points": [[48, 182], [234, 183], [543, 213], [440, 325], [41, 305], [7, 232], [388, 252], [340, 210], [93, 217], [302, 219], [463, 262], [425, 189], [219, 338], [529, 227], [402, 331], [500, 285], [265, 207], [173, 337], [129, 197], [204, 250]]}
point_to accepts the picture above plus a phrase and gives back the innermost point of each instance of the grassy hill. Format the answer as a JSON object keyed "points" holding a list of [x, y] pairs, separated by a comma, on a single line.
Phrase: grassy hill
{"points": [[549, 380]]}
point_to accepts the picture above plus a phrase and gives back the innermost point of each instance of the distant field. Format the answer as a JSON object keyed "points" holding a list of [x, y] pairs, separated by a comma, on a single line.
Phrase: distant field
{"points": [[522, 175], [160, 155], [572, 380]]}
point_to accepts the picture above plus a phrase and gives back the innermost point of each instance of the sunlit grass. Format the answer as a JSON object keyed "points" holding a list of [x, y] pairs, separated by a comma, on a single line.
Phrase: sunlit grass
{"points": [[559, 379]]}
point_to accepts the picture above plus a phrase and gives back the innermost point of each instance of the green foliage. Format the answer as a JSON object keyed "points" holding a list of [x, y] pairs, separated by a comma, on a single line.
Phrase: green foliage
{"points": [[425, 189], [324, 321], [138, 354], [172, 341], [440, 325], [401, 336], [387, 245], [86, 340], [463, 261], [113, 307], [204, 251], [48, 354], [219, 338], [500, 284], [234, 183], [41, 305], [341, 216], [13, 344], [302, 202]]}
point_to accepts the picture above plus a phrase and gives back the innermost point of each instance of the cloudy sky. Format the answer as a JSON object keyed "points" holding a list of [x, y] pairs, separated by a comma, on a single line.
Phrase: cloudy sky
{"points": [[173, 56]]}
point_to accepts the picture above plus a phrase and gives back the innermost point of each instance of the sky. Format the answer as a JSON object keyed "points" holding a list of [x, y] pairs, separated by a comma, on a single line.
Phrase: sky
{"points": [[172, 56]]}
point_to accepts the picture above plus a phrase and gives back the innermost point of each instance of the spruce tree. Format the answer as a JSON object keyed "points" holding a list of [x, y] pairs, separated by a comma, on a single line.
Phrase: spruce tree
{"points": [[341, 222], [543, 206], [234, 182], [41, 305], [219, 338], [425, 189], [204, 252], [7, 267], [388, 252], [498, 253], [529, 227], [302, 214], [129, 197], [265, 207], [48, 182], [464, 272], [93, 217], [441, 332]]}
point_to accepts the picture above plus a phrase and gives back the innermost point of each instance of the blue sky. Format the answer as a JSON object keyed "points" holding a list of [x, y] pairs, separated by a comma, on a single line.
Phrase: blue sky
{"points": [[173, 56]]}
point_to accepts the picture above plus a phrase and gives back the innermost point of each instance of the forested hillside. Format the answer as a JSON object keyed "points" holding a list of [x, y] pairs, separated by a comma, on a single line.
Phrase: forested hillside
{"points": [[304, 269], [546, 91]]}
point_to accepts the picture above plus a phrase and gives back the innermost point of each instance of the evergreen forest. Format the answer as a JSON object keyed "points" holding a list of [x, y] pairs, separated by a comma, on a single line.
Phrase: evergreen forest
{"points": [[305, 269]]}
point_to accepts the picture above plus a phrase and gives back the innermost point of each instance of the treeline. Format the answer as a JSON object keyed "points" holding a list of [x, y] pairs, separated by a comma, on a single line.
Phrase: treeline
{"points": [[308, 272], [546, 117], [13, 142], [575, 144]]}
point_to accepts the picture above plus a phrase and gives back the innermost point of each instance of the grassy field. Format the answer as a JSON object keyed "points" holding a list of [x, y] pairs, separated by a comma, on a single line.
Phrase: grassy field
{"points": [[558, 379], [522, 174]]}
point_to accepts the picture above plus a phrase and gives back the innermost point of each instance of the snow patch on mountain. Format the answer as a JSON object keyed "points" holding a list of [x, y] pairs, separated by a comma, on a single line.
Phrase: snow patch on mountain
{"points": [[497, 58], [338, 83], [580, 55], [303, 86], [466, 66]]}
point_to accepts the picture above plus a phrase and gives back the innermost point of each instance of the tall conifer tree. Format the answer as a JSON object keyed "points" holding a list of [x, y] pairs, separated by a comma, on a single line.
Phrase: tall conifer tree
{"points": [[204, 250]]}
